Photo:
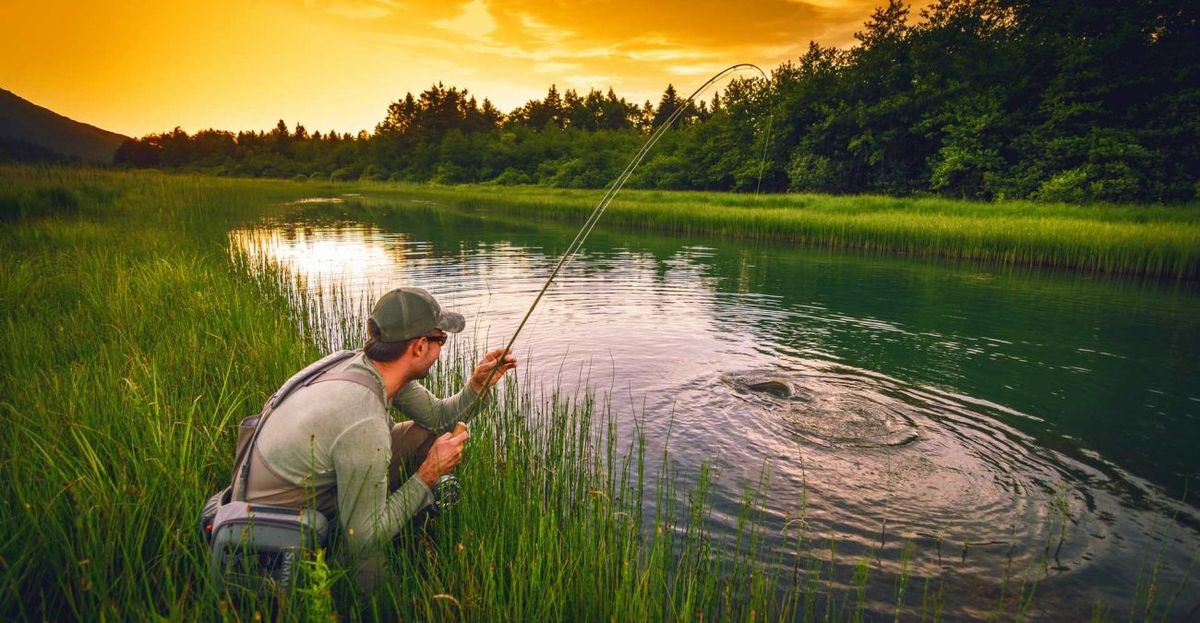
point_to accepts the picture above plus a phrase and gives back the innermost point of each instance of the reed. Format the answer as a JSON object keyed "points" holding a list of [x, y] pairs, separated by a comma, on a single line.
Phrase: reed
{"points": [[1160, 241], [131, 344]]}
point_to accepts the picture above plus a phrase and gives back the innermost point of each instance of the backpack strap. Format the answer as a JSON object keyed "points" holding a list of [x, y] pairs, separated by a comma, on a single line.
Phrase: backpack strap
{"points": [[355, 377], [309, 375]]}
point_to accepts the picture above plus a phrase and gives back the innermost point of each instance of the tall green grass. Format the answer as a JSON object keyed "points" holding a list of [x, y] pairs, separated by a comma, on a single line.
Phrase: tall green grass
{"points": [[1161, 241], [130, 346]]}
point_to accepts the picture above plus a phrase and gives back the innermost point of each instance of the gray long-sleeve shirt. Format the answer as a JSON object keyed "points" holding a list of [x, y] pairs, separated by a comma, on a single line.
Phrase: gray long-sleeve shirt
{"points": [[330, 443]]}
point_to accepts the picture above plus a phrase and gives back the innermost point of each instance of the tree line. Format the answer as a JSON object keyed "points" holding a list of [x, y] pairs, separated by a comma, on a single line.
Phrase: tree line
{"points": [[1051, 100]]}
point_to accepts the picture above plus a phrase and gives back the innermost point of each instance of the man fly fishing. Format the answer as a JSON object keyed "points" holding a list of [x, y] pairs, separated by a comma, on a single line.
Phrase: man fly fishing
{"points": [[331, 443]]}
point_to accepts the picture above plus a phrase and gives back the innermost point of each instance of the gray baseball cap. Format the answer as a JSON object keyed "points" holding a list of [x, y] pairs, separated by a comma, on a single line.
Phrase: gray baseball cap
{"points": [[407, 313]]}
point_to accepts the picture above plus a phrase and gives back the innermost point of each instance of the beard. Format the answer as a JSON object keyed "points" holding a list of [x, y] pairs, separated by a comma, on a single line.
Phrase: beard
{"points": [[424, 373]]}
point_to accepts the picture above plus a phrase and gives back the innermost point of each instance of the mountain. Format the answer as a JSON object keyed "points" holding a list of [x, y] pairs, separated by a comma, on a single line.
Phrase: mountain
{"points": [[28, 131]]}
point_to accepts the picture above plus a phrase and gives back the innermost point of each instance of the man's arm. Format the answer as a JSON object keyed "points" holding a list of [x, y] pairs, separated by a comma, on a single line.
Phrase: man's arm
{"points": [[438, 415], [367, 512]]}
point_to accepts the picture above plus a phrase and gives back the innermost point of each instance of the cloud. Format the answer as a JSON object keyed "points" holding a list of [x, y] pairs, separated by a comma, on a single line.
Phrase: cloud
{"points": [[555, 68], [475, 21], [691, 70], [365, 10], [542, 31], [584, 83], [664, 54]]}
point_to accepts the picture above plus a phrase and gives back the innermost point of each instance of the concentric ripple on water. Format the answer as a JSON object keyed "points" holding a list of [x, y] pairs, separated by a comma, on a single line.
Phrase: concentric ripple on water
{"points": [[831, 414], [873, 457]]}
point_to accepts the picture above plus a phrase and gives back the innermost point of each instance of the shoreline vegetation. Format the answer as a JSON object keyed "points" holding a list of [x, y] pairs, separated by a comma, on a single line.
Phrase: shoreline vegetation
{"points": [[131, 346], [1152, 241]]}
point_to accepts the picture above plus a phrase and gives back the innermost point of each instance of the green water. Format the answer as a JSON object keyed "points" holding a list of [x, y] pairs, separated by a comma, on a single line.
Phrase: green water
{"points": [[951, 405]]}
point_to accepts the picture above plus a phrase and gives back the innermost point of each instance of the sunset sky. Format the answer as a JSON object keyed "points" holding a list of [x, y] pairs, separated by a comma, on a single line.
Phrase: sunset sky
{"points": [[139, 66]]}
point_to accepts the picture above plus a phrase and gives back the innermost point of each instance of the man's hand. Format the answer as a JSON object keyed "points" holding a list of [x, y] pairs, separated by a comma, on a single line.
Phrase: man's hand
{"points": [[484, 369], [444, 454]]}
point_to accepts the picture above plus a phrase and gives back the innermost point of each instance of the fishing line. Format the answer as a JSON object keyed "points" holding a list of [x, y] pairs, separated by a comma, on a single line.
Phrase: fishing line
{"points": [[616, 187]]}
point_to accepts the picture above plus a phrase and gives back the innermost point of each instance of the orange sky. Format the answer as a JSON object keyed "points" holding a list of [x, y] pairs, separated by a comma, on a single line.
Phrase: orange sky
{"points": [[140, 66]]}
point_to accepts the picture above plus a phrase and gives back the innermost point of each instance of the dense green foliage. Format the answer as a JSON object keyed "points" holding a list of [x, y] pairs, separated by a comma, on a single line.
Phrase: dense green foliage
{"points": [[1055, 101]]}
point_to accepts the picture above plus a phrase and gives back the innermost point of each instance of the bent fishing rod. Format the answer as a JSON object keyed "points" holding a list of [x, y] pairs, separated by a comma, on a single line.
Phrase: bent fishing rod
{"points": [[616, 187]]}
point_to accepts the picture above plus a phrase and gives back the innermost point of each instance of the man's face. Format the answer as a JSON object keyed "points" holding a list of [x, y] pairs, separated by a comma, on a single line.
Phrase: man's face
{"points": [[433, 349]]}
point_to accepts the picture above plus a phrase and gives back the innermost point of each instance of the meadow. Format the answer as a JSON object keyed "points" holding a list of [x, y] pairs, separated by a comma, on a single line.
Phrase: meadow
{"points": [[131, 343]]}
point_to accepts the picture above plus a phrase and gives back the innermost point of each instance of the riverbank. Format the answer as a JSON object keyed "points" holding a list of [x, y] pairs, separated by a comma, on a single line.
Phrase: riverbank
{"points": [[1155, 241], [130, 346]]}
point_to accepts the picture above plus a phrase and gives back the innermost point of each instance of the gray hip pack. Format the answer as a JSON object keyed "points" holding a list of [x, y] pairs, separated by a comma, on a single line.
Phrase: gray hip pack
{"points": [[256, 547]]}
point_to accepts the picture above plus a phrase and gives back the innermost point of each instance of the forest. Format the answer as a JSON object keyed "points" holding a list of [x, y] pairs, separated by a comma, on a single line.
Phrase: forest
{"points": [[973, 99]]}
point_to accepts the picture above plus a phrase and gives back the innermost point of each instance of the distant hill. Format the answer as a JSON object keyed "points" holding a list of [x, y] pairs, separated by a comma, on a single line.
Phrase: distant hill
{"points": [[30, 132]]}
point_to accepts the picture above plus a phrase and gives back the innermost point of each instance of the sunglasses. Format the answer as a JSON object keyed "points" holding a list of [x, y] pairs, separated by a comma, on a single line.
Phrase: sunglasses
{"points": [[440, 339]]}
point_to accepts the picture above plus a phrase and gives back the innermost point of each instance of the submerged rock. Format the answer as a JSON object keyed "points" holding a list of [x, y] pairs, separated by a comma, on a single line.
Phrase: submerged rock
{"points": [[775, 387]]}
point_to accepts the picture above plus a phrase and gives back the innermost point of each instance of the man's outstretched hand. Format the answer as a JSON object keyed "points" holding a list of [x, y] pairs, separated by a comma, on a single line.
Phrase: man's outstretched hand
{"points": [[484, 369]]}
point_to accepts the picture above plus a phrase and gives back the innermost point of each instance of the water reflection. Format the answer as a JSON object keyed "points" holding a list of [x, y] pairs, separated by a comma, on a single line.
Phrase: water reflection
{"points": [[998, 421], [351, 255]]}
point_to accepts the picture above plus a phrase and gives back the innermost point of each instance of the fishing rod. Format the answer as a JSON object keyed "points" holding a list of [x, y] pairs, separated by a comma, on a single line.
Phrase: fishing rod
{"points": [[616, 187]]}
